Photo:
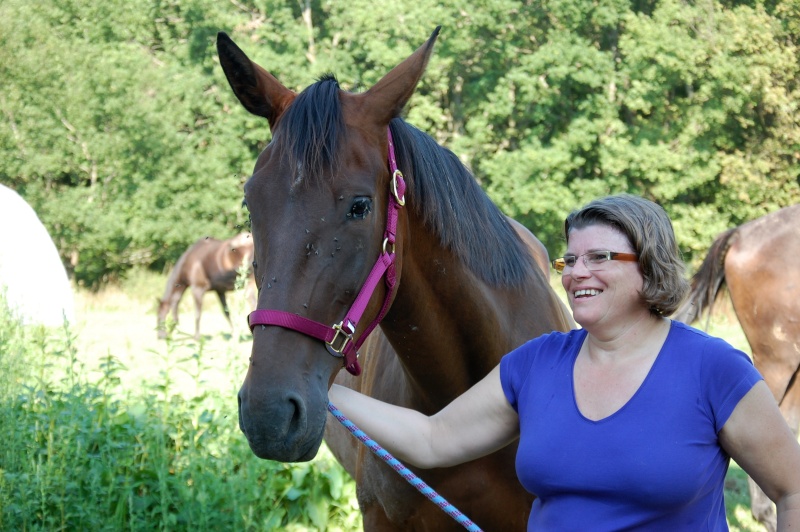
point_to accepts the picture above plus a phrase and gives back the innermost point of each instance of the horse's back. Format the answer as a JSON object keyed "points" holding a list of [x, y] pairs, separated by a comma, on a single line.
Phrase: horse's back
{"points": [[756, 263], [221, 260], [211, 264], [535, 247], [776, 232], [201, 249], [182, 273]]}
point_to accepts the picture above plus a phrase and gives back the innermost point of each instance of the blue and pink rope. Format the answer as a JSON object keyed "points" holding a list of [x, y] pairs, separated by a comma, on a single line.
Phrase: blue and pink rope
{"points": [[404, 472]]}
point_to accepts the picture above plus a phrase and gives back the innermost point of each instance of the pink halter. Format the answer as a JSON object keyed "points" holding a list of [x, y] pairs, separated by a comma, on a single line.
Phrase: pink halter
{"points": [[339, 337]]}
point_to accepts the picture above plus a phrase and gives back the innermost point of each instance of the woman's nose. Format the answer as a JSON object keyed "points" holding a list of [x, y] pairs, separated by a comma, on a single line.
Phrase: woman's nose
{"points": [[580, 269]]}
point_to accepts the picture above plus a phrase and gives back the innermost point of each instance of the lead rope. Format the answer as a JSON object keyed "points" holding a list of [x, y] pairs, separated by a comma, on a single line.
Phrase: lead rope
{"points": [[404, 472]]}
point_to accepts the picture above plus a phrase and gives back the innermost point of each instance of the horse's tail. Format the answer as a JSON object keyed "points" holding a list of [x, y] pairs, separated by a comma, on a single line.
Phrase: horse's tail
{"points": [[708, 281]]}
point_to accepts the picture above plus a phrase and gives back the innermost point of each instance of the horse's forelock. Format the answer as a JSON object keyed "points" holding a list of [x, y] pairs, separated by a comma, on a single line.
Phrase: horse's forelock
{"points": [[311, 130]]}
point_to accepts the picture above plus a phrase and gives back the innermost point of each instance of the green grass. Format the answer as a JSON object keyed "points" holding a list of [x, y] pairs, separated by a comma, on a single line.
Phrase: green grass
{"points": [[737, 501]]}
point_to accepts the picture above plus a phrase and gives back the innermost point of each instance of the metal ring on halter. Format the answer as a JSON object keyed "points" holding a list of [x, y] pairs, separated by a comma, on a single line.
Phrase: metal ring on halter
{"points": [[347, 337], [386, 241], [400, 201]]}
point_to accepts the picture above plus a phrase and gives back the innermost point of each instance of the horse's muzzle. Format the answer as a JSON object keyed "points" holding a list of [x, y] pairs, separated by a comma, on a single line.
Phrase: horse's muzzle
{"points": [[281, 429]]}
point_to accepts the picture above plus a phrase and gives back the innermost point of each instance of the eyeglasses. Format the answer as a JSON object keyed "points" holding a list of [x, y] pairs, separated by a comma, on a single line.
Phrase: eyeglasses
{"points": [[594, 260]]}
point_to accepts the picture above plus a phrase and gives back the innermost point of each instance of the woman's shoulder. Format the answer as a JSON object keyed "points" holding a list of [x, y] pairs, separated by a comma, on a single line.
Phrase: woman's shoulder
{"points": [[685, 336], [550, 345], [544, 356], [711, 356], [723, 374], [555, 339]]}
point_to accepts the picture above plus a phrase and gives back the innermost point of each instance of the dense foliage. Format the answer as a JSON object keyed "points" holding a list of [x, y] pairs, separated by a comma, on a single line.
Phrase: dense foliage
{"points": [[119, 128]]}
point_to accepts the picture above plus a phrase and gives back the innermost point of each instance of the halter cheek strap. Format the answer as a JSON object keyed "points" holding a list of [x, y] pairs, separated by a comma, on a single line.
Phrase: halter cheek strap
{"points": [[338, 338]]}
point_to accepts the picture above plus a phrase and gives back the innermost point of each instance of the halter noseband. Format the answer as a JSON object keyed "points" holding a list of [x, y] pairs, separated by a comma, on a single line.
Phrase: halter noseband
{"points": [[339, 337]]}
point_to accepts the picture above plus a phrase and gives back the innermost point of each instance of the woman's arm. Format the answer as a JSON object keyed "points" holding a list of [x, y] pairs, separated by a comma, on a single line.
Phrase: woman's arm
{"points": [[475, 424], [757, 437]]}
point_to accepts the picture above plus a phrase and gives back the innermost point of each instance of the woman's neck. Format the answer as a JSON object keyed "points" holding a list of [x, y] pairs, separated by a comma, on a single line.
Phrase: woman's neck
{"points": [[634, 339]]}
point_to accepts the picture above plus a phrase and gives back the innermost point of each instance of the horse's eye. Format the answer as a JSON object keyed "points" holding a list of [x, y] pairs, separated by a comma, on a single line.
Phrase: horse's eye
{"points": [[360, 208]]}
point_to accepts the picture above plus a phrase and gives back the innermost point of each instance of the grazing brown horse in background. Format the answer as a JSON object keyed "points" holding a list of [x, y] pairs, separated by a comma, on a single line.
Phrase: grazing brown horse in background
{"points": [[208, 264], [463, 289], [757, 261]]}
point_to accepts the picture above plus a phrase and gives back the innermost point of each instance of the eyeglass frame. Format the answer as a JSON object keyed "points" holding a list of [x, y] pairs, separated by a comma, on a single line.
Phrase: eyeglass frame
{"points": [[560, 264]]}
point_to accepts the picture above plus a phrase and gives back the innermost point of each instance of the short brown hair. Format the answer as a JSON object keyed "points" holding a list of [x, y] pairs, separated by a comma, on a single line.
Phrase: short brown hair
{"points": [[650, 232]]}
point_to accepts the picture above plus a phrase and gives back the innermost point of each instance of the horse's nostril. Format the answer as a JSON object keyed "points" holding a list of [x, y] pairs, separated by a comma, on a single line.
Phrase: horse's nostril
{"points": [[298, 420]]}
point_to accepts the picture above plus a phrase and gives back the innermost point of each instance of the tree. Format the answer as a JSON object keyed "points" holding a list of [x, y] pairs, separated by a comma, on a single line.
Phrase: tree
{"points": [[119, 128]]}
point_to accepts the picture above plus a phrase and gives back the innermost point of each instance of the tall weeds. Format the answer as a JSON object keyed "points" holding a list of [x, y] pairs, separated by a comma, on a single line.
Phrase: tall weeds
{"points": [[80, 455]]}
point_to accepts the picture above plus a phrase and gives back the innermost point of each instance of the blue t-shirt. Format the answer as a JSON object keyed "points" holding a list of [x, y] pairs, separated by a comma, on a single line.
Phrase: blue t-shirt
{"points": [[655, 464]]}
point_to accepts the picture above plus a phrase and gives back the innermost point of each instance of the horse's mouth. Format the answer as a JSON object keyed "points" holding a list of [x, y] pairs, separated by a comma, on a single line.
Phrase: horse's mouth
{"points": [[285, 451], [241, 421]]}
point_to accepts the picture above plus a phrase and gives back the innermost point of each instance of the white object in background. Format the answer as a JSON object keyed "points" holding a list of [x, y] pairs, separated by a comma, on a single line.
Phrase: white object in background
{"points": [[32, 275]]}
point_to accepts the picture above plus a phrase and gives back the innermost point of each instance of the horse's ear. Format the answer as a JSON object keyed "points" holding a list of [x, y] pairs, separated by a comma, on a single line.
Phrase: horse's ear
{"points": [[386, 99], [258, 90]]}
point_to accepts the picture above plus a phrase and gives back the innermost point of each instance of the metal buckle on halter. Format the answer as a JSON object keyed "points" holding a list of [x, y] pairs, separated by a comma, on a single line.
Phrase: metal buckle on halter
{"points": [[400, 201], [346, 338]]}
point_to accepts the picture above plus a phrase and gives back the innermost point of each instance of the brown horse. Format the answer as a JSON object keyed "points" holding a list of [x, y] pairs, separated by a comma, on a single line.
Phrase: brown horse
{"points": [[755, 261], [463, 287], [209, 264]]}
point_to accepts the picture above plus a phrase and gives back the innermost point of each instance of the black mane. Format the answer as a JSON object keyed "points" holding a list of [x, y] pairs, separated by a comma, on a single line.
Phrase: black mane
{"points": [[448, 198]]}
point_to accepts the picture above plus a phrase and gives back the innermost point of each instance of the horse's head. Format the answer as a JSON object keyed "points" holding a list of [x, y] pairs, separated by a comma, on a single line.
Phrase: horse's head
{"points": [[318, 200]]}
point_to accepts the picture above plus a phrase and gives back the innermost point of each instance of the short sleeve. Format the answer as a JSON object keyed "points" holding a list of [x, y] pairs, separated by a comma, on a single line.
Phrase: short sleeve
{"points": [[728, 374]]}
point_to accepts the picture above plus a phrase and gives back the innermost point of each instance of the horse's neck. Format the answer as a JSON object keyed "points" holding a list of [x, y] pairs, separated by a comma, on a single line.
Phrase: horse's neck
{"points": [[176, 282], [450, 328]]}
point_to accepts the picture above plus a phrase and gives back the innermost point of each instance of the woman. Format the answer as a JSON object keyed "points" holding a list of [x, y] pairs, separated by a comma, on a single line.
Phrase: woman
{"points": [[626, 423]]}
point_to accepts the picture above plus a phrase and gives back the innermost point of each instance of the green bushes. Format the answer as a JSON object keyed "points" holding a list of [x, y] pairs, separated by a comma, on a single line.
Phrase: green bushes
{"points": [[120, 129], [116, 455]]}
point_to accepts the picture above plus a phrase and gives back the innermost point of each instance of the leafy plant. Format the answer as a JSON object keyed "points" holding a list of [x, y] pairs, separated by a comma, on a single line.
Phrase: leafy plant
{"points": [[81, 455]]}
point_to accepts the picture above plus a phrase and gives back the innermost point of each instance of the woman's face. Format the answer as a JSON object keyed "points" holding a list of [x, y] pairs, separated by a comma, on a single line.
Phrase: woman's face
{"points": [[605, 294]]}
